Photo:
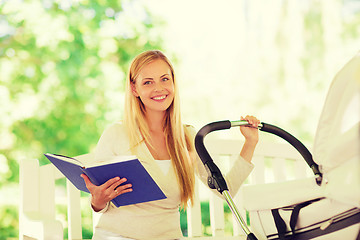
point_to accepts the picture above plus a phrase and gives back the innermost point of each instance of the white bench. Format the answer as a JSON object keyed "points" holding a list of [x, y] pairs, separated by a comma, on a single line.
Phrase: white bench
{"points": [[37, 212]]}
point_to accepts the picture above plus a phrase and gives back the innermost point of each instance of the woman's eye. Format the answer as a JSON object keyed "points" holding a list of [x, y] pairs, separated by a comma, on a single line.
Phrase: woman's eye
{"points": [[147, 82], [165, 79]]}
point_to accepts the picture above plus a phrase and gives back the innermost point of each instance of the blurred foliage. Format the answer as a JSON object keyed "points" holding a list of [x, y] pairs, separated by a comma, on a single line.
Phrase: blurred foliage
{"points": [[62, 73], [8, 219], [205, 219], [62, 70]]}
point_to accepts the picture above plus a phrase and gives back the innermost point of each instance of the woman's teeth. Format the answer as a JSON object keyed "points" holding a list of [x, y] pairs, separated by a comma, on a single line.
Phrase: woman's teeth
{"points": [[159, 98]]}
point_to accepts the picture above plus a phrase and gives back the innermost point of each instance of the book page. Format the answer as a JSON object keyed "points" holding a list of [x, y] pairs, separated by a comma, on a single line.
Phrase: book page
{"points": [[109, 160], [67, 159]]}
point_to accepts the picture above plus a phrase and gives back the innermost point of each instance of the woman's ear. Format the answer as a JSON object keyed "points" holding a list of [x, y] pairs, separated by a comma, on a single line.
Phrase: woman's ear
{"points": [[133, 89]]}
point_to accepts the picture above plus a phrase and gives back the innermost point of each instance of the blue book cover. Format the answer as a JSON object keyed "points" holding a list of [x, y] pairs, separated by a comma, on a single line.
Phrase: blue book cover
{"points": [[144, 187]]}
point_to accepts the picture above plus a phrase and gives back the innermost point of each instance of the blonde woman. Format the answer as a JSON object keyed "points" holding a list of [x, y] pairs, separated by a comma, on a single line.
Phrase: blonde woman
{"points": [[152, 130]]}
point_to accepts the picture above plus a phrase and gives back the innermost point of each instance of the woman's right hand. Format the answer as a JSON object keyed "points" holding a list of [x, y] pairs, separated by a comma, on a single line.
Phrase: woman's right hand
{"points": [[101, 195]]}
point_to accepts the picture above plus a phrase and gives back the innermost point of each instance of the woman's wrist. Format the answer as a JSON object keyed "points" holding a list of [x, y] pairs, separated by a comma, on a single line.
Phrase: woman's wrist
{"points": [[251, 141], [248, 149], [98, 207]]}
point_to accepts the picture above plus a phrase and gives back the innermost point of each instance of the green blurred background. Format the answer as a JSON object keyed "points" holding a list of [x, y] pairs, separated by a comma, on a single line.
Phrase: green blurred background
{"points": [[63, 65]]}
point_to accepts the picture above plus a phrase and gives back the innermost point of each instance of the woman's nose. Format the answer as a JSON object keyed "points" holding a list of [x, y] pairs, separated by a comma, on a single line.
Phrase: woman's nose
{"points": [[158, 87]]}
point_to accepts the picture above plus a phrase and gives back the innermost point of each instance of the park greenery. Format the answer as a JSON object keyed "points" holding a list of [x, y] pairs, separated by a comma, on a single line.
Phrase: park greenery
{"points": [[62, 74], [63, 66]]}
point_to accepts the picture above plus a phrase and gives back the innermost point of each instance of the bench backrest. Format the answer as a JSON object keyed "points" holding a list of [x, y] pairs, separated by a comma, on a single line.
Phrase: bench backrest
{"points": [[39, 193]]}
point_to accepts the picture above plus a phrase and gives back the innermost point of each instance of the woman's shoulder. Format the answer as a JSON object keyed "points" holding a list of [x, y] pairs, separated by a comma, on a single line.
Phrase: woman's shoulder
{"points": [[115, 126], [188, 126], [116, 129], [113, 141], [190, 129]]}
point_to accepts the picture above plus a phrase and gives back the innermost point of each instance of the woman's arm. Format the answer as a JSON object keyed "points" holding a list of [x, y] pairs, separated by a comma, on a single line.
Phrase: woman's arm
{"points": [[242, 166], [251, 134], [111, 143]]}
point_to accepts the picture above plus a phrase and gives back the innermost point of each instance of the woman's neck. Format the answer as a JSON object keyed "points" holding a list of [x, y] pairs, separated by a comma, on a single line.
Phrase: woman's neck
{"points": [[155, 121], [157, 142]]}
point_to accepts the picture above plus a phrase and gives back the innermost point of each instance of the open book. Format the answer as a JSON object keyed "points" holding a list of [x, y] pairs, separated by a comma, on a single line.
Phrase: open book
{"points": [[144, 187]]}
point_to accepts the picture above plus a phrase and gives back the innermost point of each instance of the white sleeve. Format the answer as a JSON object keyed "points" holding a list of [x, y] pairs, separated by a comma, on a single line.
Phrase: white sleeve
{"points": [[102, 210], [113, 142], [238, 173]]}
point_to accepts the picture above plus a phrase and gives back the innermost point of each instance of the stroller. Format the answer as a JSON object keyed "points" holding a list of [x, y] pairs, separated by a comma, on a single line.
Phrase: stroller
{"points": [[325, 206]]}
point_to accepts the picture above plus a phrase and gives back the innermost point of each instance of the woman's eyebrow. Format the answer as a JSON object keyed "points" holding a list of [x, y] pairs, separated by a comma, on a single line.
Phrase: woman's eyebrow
{"points": [[150, 78]]}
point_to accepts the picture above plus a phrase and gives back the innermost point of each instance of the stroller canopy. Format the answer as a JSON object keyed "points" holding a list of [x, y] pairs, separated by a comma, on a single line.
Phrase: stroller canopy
{"points": [[337, 140]]}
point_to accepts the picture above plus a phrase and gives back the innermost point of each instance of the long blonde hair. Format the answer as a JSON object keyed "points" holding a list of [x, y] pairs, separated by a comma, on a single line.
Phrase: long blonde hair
{"points": [[178, 141]]}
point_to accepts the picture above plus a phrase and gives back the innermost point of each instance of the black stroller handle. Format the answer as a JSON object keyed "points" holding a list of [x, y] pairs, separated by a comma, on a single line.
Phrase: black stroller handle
{"points": [[305, 153], [215, 178], [221, 125]]}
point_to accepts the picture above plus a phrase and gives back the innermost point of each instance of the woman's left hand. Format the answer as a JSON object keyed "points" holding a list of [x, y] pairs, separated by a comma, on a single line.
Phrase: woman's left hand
{"points": [[250, 132]]}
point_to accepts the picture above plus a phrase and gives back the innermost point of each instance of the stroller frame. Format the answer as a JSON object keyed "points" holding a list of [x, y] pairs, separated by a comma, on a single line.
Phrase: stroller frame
{"points": [[217, 181]]}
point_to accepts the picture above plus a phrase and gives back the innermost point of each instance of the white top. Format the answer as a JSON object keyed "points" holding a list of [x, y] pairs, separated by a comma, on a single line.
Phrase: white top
{"points": [[164, 165], [101, 234], [156, 219]]}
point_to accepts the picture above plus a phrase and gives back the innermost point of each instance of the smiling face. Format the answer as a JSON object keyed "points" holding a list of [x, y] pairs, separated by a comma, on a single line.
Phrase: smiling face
{"points": [[154, 86]]}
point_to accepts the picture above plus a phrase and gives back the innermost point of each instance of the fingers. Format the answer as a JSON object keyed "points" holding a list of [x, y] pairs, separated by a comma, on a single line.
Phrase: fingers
{"points": [[250, 132], [112, 181], [253, 121], [122, 189], [118, 188], [101, 195], [87, 181], [111, 188]]}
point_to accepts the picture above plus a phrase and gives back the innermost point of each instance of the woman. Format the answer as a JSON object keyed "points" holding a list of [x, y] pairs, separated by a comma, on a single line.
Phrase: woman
{"points": [[152, 130]]}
